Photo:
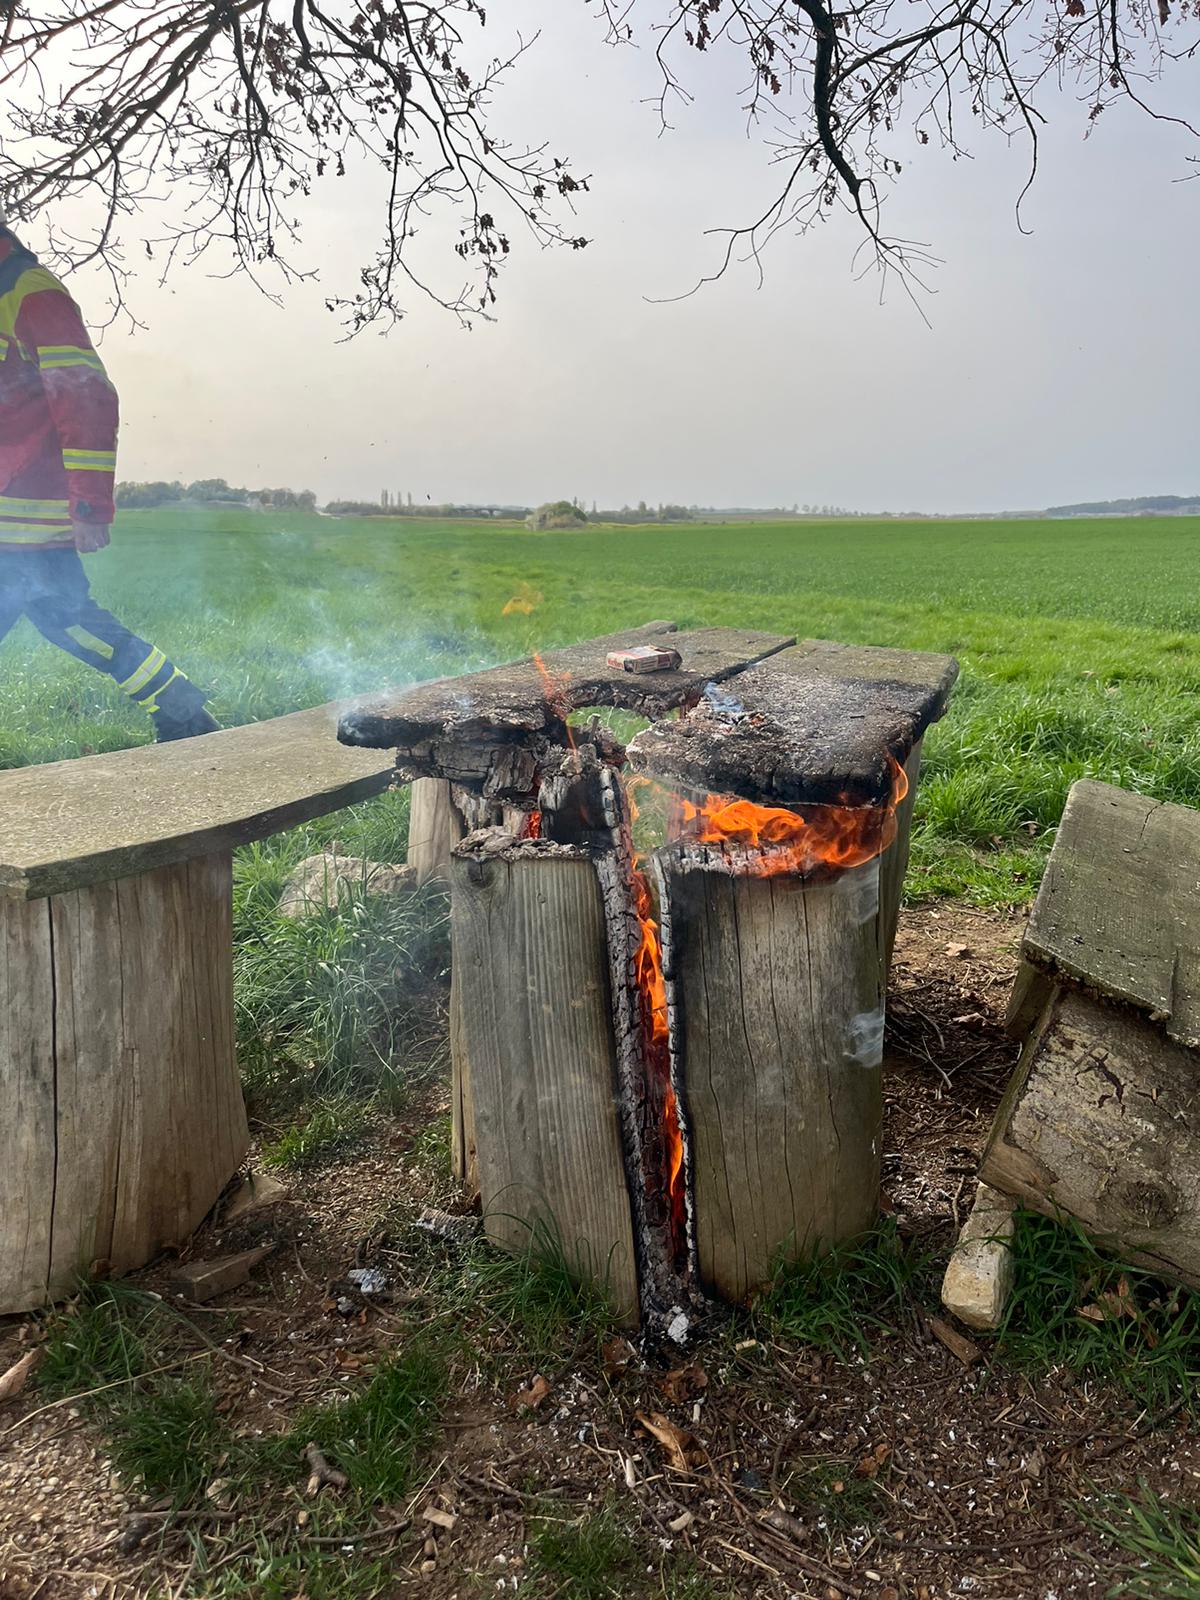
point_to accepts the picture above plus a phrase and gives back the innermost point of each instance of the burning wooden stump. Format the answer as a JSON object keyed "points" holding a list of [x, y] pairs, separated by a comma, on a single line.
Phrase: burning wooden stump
{"points": [[668, 1070]]}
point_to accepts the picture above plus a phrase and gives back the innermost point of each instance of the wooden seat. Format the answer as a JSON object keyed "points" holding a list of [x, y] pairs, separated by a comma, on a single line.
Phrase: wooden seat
{"points": [[122, 1108], [1100, 1121]]}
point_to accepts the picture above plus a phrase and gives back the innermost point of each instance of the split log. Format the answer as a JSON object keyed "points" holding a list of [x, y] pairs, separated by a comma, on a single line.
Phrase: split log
{"points": [[777, 1022], [1101, 1121], [464, 1161], [534, 1021], [819, 724], [435, 826], [123, 1110]]}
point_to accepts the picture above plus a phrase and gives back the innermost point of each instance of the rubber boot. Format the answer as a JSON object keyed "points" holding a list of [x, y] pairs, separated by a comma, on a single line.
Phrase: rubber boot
{"points": [[201, 721], [178, 711]]}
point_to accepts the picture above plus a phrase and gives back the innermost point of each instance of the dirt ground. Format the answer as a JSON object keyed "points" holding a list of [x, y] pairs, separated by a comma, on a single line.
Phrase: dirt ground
{"points": [[979, 1473]]}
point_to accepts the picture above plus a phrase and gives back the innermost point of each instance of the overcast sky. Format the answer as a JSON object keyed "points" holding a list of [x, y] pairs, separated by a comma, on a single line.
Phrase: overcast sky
{"points": [[1056, 367]]}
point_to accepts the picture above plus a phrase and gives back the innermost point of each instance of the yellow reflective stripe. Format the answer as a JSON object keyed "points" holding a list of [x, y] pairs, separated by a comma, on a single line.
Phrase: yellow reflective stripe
{"points": [[90, 460], [151, 705], [14, 533], [153, 663], [90, 642], [55, 359], [35, 281], [26, 509]]}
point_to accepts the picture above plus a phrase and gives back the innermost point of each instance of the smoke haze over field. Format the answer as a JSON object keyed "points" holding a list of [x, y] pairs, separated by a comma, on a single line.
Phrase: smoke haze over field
{"points": [[1059, 366]]}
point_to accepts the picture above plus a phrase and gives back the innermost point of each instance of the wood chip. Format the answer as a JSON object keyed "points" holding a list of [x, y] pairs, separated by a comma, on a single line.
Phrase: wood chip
{"points": [[439, 1519], [959, 1346], [17, 1376], [204, 1280]]}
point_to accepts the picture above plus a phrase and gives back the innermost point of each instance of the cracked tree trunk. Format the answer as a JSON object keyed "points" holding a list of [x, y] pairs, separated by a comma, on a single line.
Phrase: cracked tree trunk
{"points": [[1101, 1122], [777, 1016], [123, 1116]]}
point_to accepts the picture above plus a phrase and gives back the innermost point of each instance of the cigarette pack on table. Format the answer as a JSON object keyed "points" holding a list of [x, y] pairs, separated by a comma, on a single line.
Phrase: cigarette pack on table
{"points": [[645, 658]]}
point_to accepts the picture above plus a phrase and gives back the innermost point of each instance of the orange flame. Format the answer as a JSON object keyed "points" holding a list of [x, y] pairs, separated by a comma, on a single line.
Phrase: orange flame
{"points": [[656, 1040], [557, 697], [791, 841]]}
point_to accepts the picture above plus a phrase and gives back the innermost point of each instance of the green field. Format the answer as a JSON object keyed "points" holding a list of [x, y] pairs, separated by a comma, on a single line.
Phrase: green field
{"points": [[1078, 640]]}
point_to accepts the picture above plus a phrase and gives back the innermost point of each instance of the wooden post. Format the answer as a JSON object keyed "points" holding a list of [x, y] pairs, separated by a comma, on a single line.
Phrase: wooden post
{"points": [[123, 1111], [534, 1019], [435, 826], [777, 1018]]}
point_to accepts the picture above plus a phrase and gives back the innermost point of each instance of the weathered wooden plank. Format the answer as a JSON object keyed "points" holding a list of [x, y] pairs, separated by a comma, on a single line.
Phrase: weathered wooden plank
{"points": [[27, 1144], [124, 1116], [455, 727], [1119, 906], [535, 1022], [817, 724], [72, 823], [1102, 1123], [777, 1014]]}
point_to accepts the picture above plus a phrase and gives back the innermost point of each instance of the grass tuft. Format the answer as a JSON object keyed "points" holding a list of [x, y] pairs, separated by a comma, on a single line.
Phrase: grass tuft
{"points": [[341, 1003], [168, 1438], [99, 1340], [1162, 1540], [837, 1300], [332, 1129], [541, 1303], [1148, 1338], [591, 1559]]}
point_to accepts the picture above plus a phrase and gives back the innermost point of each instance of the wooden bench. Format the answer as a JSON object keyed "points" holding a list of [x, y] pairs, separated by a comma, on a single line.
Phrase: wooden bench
{"points": [[1102, 1119], [123, 1115]]}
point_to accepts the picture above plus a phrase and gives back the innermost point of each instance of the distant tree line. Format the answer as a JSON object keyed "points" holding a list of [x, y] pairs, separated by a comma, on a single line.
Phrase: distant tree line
{"points": [[141, 496], [1140, 506]]}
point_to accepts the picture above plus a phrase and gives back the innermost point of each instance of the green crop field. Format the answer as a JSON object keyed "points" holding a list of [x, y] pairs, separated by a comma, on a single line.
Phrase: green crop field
{"points": [[1078, 640]]}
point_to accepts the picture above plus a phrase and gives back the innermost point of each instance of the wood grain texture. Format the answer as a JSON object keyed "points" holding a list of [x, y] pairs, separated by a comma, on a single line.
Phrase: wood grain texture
{"points": [[778, 1016], [1119, 906], [1101, 1122], [454, 727], [72, 823], [464, 1158], [118, 1057], [435, 826], [817, 724], [536, 1026]]}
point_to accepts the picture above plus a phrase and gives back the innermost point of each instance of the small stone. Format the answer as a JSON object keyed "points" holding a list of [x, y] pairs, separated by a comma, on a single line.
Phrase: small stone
{"points": [[326, 881], [980, 1273]]}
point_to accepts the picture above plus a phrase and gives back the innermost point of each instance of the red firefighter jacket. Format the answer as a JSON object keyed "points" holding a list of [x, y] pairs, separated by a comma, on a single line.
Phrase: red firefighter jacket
{"points": [[58, 411]]}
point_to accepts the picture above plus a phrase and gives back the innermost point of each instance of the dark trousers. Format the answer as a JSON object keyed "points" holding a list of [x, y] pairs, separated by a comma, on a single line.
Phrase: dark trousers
{"points": [[50, 587]]}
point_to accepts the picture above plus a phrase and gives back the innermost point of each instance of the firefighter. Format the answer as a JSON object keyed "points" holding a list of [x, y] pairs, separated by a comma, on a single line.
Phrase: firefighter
{"points": [[58, 437]]}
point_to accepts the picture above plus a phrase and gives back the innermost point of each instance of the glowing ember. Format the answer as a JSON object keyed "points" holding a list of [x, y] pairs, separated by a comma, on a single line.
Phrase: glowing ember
{"points": [[656, 1041], [789, 842], [531, 828]]}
